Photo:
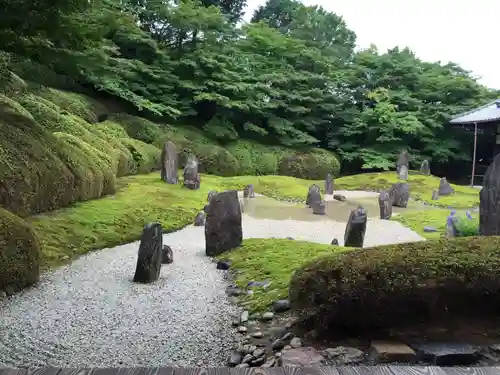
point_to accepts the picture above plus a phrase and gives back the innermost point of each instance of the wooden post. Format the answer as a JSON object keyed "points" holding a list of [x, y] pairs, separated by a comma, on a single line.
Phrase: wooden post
{"points": [[474, 156]]}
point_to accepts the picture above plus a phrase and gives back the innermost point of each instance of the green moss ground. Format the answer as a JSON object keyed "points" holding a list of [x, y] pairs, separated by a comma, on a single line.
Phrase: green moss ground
{"points": [[274, 260], [421, 188]]}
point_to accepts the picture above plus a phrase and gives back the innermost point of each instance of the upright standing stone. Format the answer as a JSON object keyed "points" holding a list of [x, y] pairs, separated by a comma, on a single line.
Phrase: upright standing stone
{"points": [[445, 187], [403, 173], [385, 204], [223, 230], [150, 254], [355, 229], [248, 192], [489, 201], [191, 175], [435, 195], [425, 169], [169, 163], [313, 195], [319, 208], [329, 184], [400, 194], [403, 159]]}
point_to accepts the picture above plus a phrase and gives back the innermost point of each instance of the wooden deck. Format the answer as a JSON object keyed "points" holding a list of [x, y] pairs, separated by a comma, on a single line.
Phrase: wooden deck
{"points": [[347, 370]]}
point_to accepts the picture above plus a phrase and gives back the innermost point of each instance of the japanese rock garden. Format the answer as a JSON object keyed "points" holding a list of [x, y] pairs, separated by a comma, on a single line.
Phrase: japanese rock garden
{"points": [[179, 189]]}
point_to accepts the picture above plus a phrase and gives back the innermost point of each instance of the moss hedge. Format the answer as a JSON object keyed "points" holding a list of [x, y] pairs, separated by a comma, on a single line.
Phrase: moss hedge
{"points": [[19, 253], [403, 284]]}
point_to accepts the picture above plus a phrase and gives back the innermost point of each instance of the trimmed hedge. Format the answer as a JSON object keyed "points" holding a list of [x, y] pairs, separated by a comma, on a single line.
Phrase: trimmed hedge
{"points": [[19, 253], [311, 165], [399, 284]]}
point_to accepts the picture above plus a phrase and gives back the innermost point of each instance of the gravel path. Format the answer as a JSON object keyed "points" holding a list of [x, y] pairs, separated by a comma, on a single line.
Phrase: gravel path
{"points": [[91, 314]]}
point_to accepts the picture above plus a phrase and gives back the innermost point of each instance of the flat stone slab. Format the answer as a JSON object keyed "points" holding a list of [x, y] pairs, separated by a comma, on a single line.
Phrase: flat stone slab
{"points": [[391, 351], [305, 356], [448, 354]]}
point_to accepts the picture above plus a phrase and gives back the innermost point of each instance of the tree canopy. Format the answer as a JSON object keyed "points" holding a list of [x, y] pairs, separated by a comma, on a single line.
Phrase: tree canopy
{"points": [[291, 76]]}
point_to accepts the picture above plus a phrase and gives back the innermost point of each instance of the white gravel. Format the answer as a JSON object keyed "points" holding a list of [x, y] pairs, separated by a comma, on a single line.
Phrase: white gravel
{"points": [[91, 314]]}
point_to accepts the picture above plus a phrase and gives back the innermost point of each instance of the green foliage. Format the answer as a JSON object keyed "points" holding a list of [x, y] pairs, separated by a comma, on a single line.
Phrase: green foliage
{"points": [[467, 225], [312, 165], [404, 283], [19, 253]]}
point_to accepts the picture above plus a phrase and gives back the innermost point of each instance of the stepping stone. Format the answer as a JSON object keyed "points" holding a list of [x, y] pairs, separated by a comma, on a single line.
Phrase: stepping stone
{"points": [[448, 354], [389, 351]]}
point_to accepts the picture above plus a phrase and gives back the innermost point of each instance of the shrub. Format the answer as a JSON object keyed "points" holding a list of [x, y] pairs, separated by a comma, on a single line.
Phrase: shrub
{"points": [[216, 160], [254, 158], [76, 104], [312, 165], [138, 127], [146, 157], [464, 226], [19, 253], [32, 178], [404, 283]]}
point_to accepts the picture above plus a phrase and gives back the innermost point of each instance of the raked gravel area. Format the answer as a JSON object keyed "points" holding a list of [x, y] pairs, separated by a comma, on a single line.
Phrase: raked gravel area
{"points": [[91, 314]]}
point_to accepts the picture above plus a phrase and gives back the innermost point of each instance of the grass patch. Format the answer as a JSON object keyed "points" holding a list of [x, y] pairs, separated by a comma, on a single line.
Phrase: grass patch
{"points": [[274, 260], [421, 188], [436, 218]]}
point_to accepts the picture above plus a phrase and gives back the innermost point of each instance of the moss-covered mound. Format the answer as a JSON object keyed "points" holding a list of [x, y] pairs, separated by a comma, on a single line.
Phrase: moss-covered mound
{"points": [[32, 178], [384, 286], [19, 253], [421, 188], [312, 165]]}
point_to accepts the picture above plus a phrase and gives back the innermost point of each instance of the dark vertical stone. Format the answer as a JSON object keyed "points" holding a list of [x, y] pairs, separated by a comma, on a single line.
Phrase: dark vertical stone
{"points": [[313, 195], [223, 229], [403, 159], [356, 228], [335, 242], [150, 254], [191, 176], [400, 193], [435, 195], [385, 204], [319, 208], [425, 168], [445, 187], [169, 163], [329, 184], [167, 255], [489, 201], [248, 192]]}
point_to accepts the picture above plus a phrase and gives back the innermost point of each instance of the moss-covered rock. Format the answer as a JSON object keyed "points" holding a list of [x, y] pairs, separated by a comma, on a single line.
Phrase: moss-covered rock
{"points": [[312, 165], [19, 253], [32, 178], [399, 284]]}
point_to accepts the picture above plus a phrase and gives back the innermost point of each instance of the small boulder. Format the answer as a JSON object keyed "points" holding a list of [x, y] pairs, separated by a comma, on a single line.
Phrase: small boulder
{"points": [[167, 255], [223, 265], [344, 355], [150, 254], [339, 197], [319, 208], [281, 305], [302, 357], [248, 192], [329, 184], [210, 195], [335, 242], [356, 228], [199, 220], [445, 187]]}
